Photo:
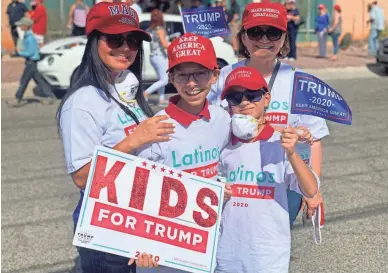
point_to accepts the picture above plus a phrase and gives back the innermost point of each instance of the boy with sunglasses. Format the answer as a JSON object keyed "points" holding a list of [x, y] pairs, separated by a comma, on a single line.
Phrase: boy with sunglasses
{"points": [[261, 164], [200, 129]]}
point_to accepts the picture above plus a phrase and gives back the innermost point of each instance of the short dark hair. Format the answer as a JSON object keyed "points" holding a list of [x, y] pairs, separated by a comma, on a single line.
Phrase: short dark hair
{"points": [[374, 2], [242, 50]]}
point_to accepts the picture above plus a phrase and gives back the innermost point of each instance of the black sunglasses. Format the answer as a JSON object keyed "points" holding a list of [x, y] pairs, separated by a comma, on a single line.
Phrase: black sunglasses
{"points": [[235, 98], [115, 41], [272, 33]]}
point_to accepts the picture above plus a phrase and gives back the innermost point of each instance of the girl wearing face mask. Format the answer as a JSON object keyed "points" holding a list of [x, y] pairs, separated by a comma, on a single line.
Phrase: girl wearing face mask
{"points": [[105, 106], [263, 41], [261, 164]]}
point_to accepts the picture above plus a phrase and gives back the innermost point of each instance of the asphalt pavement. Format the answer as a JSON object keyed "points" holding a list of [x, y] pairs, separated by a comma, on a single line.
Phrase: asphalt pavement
{"points": [[38, 197]]}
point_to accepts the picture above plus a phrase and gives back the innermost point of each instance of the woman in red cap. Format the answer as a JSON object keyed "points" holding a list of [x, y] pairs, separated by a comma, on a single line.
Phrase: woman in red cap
{"points": [[104, 105], [322, 23], [335, 30], [263, 42]]}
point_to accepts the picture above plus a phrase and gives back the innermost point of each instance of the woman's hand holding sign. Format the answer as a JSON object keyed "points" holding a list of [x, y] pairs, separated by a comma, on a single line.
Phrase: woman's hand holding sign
{"points": [[145, 260]]}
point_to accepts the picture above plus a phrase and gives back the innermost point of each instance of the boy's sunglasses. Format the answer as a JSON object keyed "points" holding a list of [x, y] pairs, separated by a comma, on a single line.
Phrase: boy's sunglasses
{"points": [[272, 33], [235, 98], [115, 41]]}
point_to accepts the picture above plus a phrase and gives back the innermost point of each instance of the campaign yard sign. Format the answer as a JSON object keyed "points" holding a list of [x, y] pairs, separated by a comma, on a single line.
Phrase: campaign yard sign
{"points": [[132, 205], [207, 22], [311, 96]]}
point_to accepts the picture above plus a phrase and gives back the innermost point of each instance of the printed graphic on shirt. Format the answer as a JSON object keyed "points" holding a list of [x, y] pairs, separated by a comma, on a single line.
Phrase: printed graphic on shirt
{"points": [[198, 157], [127, 121], [250, 176], [277, 112], [253, 191]]}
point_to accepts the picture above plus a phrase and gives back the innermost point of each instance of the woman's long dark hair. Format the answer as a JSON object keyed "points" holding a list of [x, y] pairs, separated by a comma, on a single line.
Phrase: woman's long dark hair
{"points": [[92, 71]]}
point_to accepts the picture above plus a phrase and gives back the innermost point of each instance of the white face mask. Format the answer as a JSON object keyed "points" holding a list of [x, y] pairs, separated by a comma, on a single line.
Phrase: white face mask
{"points": [[244, 126]]}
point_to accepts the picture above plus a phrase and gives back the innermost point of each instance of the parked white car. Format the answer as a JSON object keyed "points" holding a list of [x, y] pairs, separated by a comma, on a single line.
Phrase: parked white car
{"points": [[61, 57]]}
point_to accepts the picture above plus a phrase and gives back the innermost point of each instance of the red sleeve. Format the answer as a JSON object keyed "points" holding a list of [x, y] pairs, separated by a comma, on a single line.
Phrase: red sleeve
{"points": [[38, 12]]}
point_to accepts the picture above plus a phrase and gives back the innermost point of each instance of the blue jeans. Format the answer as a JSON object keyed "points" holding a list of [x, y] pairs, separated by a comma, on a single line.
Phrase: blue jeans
{"points": [[373, 41], [322, 41], [294, 202], [335, 37], [93, 261], [160, 64], [292, 35]]}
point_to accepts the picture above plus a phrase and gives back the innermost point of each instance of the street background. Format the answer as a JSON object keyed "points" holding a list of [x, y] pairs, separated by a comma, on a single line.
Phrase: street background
{"points": [[38, 197]]}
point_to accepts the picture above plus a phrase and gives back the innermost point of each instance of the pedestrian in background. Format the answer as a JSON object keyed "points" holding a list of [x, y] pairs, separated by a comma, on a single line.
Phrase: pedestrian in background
{"points": [[158, 55], [39, 16], [293, 18], [335, 30], [322, 23], [377, 25], [15, 12], [77, 18], [31, 54]]}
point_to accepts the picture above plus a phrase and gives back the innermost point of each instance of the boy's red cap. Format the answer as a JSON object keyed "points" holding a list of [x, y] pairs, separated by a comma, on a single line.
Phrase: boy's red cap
{"points": [[321, 6], [114, 18], [267, 13], [192, 48], [246, 77]]}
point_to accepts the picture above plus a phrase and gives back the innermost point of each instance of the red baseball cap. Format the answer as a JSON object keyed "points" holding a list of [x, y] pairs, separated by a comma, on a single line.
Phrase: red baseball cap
{"points": [[337, 7], [114, 18], [246, 77], [267, 13], [321, 6], [192, 48]]}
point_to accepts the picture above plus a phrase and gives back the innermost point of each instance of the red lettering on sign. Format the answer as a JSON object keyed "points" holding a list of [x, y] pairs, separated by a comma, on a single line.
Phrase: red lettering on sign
{"points": [[165, 209], [197, 216], [139, 188], [277, 118], [100, 180], [253, 191], [149, 227], [129, 130]]}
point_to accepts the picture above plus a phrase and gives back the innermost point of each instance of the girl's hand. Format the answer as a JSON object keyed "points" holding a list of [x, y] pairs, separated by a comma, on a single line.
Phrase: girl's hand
{"points": [[153, 130], [304, 134], [289, 138], [227, 192], [144, 260]]}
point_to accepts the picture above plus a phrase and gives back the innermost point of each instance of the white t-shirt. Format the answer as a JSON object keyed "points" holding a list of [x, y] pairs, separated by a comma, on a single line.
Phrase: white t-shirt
{"points": [[90, 118], [255, 227], [278, 111], [197, 142], [195, 146]]}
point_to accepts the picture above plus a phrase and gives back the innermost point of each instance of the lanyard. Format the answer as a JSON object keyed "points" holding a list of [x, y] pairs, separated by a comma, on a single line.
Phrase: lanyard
{"points": [[125, 109], [273, 76]]}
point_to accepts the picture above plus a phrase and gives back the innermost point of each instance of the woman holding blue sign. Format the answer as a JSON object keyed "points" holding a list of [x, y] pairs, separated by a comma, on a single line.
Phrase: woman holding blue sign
{"points": [[263, 41], [104, 105]]}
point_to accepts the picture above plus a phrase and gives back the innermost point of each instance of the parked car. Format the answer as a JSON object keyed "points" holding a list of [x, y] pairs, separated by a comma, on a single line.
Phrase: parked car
{"points": [[61, 57], [382, 54]]}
